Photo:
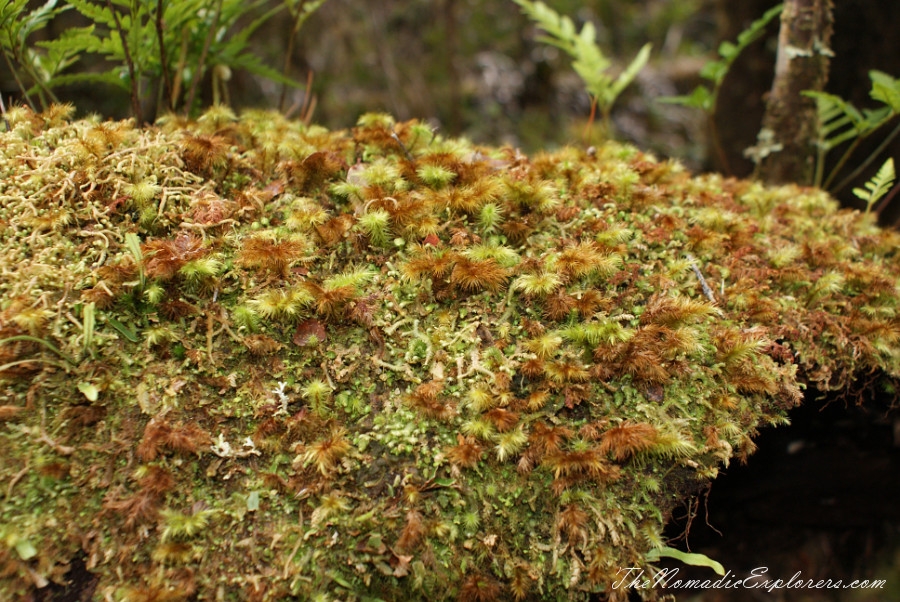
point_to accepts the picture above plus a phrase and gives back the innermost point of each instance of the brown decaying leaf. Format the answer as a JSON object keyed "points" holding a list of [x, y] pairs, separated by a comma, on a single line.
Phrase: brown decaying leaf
{"points": [[307, 329]]}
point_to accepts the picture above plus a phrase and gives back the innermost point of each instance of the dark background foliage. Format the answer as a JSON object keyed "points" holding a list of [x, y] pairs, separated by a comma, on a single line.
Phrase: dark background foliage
{"points": [[474, 68]]}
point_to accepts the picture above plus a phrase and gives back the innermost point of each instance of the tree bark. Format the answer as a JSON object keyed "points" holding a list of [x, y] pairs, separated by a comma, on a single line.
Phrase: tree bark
{"points": [[786, 149]]}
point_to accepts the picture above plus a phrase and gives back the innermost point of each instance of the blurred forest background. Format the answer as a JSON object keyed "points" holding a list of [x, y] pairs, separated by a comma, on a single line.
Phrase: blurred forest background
{"points": [[475, 68]]}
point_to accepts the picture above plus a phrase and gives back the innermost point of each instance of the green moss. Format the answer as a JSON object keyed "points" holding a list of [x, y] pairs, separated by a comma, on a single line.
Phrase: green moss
{"points": [[380, 364]]}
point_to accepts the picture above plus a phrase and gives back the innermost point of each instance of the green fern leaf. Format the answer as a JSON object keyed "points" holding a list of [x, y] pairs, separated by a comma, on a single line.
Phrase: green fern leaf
{"points": [[879, 185], [627, 76], [715, 71], [692, 559], [839, 120], [589, 62], [700, 98], [885, 89]]}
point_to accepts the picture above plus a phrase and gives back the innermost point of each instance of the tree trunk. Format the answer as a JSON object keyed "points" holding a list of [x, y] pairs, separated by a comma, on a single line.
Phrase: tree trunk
{"points": [[786, 149]]}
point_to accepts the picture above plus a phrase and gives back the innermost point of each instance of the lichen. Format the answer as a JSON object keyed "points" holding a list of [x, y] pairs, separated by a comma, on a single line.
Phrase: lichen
{"points": [[260, 360]]}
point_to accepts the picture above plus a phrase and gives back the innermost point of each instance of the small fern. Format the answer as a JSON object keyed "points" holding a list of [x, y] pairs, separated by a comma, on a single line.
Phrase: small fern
{"points": [[878, 186], [706, 97], [588, 60], [170, 46], [840, 121], [34, 69]]}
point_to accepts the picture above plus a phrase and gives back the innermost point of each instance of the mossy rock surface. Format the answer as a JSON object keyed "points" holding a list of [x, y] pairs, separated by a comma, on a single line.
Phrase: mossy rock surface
{"points": [[251, 359]]}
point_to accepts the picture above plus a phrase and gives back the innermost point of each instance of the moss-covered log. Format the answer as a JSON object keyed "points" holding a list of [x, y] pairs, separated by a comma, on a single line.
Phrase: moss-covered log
{"points": [[248, 359]]}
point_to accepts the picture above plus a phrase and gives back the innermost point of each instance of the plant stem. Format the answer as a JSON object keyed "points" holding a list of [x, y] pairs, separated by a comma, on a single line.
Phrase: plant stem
{"points": [[163, 59], [22, 87], [42, 87], [308, 107], [865, 164], [201, 63], [590, 123], [820, 164], [50, 346], [883, 203], [5, 367], [135, 95], [843, 160], [179, 69], [289, 51], [5, 118]]}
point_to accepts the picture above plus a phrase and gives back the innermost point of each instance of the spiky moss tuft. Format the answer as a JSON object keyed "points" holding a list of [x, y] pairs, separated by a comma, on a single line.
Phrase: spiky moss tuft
{"points": [[391, 364]]}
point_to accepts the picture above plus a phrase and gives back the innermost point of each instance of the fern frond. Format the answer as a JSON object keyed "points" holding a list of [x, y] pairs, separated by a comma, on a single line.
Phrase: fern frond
{"points": [[588, 61], [839, 120], [885, 89], [879, 185], [627, 75], [715, 71]]}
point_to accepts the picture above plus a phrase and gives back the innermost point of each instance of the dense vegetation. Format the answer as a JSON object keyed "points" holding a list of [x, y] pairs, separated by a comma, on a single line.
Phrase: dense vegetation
{"points": [[250, 358]]}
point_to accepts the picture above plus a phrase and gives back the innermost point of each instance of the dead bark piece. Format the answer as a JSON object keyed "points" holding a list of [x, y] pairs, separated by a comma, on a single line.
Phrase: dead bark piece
{"points": [[785, 151]]}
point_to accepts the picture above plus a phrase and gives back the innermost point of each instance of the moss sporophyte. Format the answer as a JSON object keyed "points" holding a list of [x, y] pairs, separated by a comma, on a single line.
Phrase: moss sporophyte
{"points": [[262, 360]]}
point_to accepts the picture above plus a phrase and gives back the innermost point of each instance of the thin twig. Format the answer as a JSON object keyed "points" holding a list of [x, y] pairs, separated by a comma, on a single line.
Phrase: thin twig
{"points": [[63, 450], [16, 478], [703, 284], [135, 95], [209, 337], [403, 146]]}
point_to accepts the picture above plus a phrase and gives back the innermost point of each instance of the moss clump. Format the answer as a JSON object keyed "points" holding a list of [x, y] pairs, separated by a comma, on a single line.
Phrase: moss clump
{"points": [[270, 360]]}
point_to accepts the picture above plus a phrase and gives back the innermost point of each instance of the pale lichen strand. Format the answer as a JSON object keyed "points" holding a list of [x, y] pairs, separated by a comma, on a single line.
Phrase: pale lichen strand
{"points": [[381, 363]]}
